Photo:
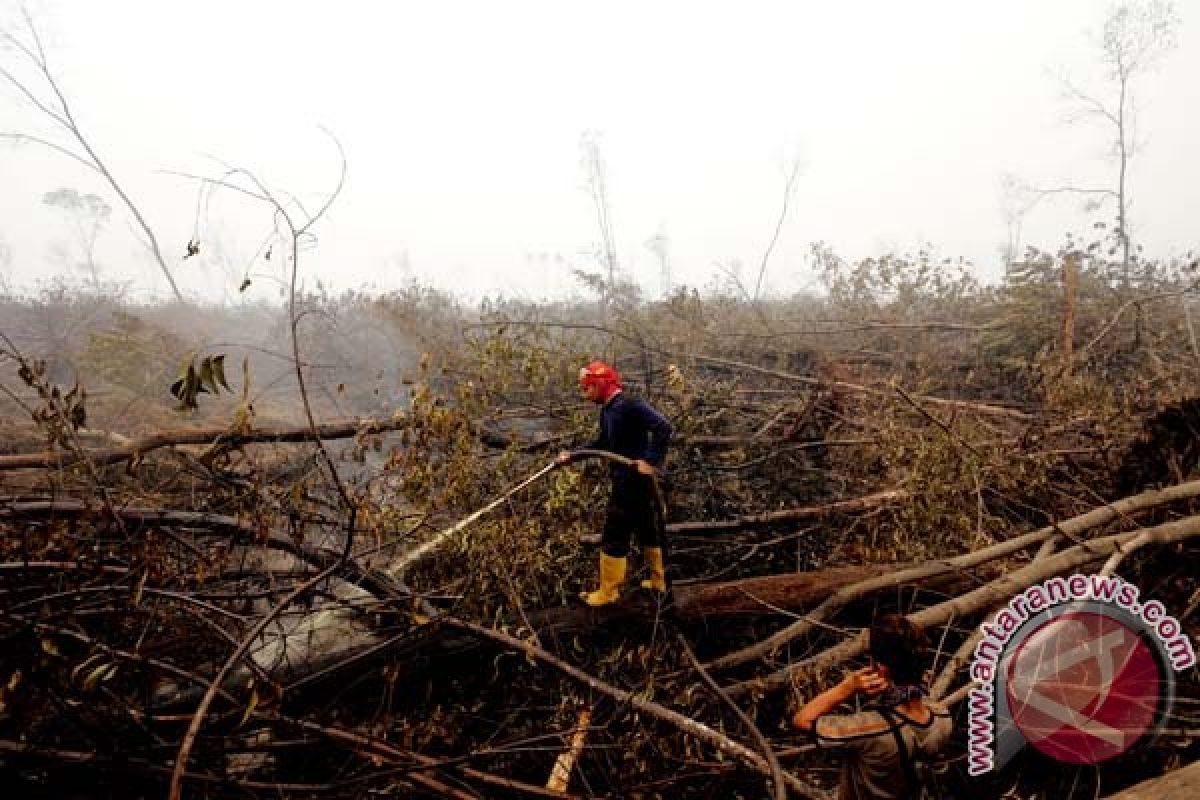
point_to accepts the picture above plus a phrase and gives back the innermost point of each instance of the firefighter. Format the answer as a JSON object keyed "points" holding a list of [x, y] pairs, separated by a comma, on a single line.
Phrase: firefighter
{"points": [[629, 427]]}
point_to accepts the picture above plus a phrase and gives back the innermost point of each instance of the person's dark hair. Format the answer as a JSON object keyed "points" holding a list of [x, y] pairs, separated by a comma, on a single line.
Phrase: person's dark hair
{"points": [[899, 645]]}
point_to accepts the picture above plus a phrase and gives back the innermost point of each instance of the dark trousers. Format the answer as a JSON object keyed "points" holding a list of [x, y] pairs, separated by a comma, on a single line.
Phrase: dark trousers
{"points": [[632, 510]]}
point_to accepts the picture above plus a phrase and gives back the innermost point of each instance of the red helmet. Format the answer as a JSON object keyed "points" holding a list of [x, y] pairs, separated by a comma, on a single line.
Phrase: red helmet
{"points": [[602, 375]]}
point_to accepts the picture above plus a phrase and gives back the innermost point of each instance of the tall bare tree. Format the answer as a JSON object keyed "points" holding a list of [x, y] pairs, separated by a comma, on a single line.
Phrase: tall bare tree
{"points": [[45, 94], [1135, 36], [789, 189]]}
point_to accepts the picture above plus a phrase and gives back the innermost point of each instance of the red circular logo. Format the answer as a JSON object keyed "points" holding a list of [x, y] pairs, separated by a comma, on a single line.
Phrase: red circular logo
{"points": [[1084, 687]]}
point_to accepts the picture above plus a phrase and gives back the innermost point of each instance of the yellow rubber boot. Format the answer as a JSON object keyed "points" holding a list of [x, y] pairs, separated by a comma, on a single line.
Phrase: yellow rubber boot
{"points": [[612, 576], [658, 572]]}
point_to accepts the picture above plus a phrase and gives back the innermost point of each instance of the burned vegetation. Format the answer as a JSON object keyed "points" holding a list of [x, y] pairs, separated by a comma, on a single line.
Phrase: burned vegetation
{"points": [[203, 594]]}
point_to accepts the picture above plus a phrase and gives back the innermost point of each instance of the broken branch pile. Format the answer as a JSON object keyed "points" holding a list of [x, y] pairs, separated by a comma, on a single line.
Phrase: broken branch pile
{"points": [[205, 612]]}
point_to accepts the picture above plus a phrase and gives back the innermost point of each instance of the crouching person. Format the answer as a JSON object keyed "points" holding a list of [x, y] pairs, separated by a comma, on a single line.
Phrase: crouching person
{"points": [[887, 743]]}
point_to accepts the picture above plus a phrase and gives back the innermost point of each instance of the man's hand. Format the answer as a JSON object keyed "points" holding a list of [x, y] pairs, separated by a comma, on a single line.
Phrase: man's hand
{"points": [[563, 458], [866, 680], [645, 468]]}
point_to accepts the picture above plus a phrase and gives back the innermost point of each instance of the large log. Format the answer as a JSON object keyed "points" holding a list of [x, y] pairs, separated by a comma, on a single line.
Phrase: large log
{"points": [[762, 595], [769, 593], [1070, 529], [997, 591]]}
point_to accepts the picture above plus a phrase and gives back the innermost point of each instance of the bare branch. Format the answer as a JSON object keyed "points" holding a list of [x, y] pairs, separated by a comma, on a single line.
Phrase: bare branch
{"points": [[66, 120], [1137, 301], [1067, 528], [224, 183], [779, 789], [337, 190], [189, 739], [1089, 106], [25, 137], [685, 724]]}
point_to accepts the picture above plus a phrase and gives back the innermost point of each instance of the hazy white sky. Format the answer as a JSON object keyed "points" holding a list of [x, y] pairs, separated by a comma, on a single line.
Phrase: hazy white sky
{"points": [[462, 124]]}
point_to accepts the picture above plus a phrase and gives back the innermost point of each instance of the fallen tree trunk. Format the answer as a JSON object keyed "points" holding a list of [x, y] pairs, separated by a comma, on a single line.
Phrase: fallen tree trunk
{"points": [[1067, 529], [997, 591], [766, 594], [761, 595], [341, 429]]}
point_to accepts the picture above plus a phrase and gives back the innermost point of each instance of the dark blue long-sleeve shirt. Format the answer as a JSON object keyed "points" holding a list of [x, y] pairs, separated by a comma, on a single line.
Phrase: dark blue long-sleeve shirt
{"points": [[631, 427]]}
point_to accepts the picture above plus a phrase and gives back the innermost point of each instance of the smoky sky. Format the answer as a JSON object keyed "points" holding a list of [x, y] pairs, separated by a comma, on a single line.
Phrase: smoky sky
{"points": [[462, 125]]}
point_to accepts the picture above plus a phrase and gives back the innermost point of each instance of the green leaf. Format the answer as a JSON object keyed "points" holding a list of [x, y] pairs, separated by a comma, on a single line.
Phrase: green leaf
{"points": [[218, 364], [188, 360], [253, 704], [141, 585], [89, 663], [104, 672], [191, 385], [207, 381]]}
